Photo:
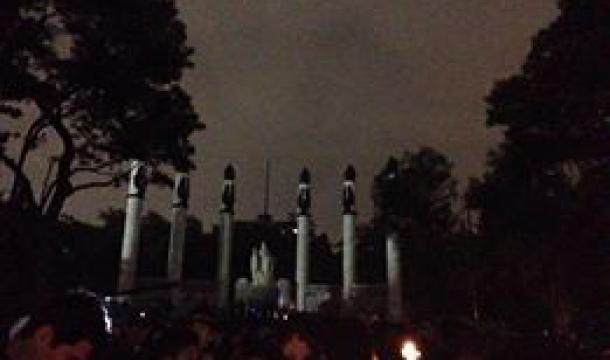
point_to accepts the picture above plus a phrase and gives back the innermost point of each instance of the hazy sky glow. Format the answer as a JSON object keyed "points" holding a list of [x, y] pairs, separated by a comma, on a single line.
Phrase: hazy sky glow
{"points": [[325, 83]]}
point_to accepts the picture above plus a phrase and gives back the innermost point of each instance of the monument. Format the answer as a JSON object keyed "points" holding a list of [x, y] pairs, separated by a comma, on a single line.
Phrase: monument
{"points": [[262, 287], [176, 244], [226, 237], [393, 260], [349, 229], [261, 267], [302, 262], [394, 280], [131, 232], [262, 290]]}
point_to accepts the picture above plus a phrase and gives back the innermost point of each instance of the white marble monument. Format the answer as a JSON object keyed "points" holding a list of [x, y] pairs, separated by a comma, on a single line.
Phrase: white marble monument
{"points": [[131, 232], [176, 243], [349, 229], [303, 235]]}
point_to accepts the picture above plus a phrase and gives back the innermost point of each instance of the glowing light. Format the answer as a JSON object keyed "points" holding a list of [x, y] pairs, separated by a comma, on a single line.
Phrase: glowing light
{"points": [[107, 320], [409, 350]]}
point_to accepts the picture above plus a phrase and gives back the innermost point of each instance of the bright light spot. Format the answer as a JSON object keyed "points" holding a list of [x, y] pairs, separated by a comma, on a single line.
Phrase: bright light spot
{"points": [[295, 231], [107, 320], [285, 317], [409, 350], [142, 314]]}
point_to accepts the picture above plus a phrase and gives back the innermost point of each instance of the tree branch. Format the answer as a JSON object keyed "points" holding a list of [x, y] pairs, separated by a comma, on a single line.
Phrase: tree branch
{"points": [[46, 187], [93, 184], [28, 143], [20, 177], [52, 205], [95, 169]]}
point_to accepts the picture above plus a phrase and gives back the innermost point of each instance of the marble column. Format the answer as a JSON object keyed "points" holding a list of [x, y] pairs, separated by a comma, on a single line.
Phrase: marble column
{"points": [[349, 229], [226, 237], [131, 231], [303, 235], [394, 278], [179, 213]]}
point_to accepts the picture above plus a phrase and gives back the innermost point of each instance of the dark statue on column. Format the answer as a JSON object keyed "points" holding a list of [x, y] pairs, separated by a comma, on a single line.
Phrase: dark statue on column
{"points": [[304, 198], [349, 198], [183, 192], [228, 191], [390, 193], [140, 182]]}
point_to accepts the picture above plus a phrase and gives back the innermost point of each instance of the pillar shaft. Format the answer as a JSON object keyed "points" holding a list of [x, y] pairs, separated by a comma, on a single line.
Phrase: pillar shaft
{"points": [[302, 266], [176, 242], [131, 231], [394, 278], [348, 256], [224, 269]]}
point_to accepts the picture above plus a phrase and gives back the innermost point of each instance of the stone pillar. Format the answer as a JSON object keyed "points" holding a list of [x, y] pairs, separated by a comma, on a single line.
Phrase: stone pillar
{"points": [[394, 278], [349, 229], [131, 231], [302, 266], [176, 243], [283, 297], [226, 237]]}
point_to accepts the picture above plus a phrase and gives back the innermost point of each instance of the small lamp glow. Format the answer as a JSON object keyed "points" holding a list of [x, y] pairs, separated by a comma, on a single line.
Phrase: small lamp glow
{"points": [[409, 350]]}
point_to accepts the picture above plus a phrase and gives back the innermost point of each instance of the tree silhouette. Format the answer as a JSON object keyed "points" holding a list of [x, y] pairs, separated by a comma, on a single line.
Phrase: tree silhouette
{"points": [[545, 201], [99, 77]]}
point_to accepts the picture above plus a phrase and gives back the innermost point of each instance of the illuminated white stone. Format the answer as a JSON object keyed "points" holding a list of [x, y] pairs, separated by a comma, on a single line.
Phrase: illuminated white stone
{"points": [[302, 266], [131, 231], [348, 255], [284, 288], [262, 267], [176, 243], [394, 279]]}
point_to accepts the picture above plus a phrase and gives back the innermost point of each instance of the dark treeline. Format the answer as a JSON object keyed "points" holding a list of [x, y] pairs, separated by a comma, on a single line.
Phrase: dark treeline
{"points": [[530, 251]]}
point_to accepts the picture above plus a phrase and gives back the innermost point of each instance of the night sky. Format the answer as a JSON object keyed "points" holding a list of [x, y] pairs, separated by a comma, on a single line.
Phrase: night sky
{"points": [[322, 83]]}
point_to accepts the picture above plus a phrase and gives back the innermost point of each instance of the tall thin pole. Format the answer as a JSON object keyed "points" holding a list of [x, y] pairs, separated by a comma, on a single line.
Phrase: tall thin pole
{"points": [[266, 200]]}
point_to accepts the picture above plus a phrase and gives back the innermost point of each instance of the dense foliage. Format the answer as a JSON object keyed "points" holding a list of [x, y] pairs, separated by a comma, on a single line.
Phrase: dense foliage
{"points": [[101, 78], [545, 202]]}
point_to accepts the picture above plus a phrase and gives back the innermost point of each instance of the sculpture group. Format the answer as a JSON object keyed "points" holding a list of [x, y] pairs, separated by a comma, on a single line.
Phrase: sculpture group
{"points": [[261, 266]]}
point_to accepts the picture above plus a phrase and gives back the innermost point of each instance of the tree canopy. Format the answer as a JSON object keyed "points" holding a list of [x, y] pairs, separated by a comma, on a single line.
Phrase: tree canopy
{"points": [[102, 78], [545, 202], [414, 192]]}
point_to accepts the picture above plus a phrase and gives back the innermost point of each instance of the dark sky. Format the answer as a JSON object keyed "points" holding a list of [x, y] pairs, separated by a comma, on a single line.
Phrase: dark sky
{"points": [[323, 83]]}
